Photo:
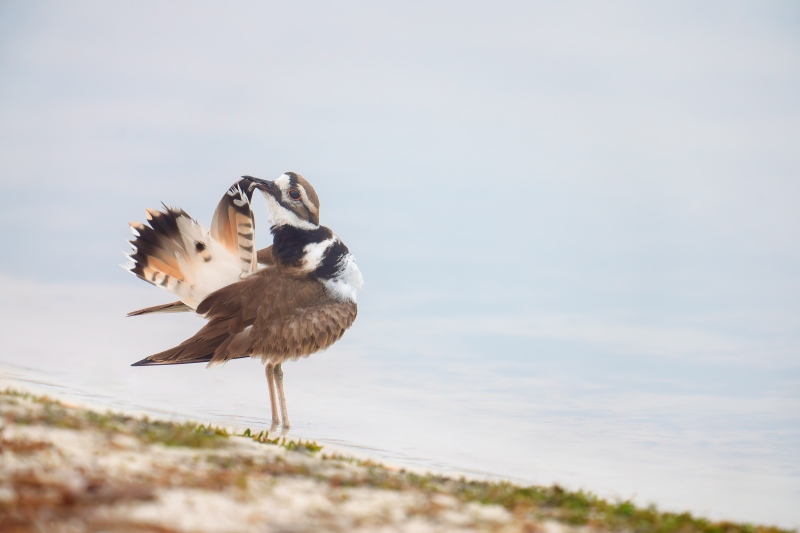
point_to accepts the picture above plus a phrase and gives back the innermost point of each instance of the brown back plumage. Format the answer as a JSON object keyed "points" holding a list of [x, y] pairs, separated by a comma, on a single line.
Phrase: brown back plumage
{"points": [[265, 315]]}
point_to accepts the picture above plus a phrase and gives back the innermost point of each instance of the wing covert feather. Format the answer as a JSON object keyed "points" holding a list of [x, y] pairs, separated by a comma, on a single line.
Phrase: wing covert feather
{"points": [[265, 315]]}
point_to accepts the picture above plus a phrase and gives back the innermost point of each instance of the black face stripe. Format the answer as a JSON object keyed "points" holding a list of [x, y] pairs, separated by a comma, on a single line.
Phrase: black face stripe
{"points": [[298, 207], [292, 185], [275, 192], [248, 236], [246, 248]]}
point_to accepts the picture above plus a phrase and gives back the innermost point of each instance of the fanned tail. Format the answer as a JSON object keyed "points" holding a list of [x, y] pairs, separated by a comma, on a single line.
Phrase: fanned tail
{"points": [[174, 252]]}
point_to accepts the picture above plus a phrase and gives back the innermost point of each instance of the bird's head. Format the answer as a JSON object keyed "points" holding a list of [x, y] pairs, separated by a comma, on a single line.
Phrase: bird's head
{"points": [[291, 201]]}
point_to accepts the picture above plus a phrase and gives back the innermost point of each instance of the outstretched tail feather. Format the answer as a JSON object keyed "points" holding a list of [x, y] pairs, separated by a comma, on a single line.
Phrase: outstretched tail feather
{"points": [[155, 250], [149, 362], [173, 307], [199, 348]]}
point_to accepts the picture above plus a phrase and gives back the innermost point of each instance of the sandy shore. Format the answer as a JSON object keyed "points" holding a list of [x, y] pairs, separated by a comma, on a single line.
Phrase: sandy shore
{"points": [[69, 469]]}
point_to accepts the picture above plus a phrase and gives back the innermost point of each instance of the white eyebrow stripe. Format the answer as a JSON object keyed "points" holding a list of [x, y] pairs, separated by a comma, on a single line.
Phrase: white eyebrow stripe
{"points": [[306, 200]]}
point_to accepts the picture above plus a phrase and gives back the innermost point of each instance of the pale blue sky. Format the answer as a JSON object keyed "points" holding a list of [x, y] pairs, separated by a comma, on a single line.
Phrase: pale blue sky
{"points": [[603, 195], [628, 159]]}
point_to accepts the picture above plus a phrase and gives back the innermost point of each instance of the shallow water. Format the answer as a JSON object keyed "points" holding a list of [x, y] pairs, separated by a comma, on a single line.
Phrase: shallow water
{"points": [[536, 398]]}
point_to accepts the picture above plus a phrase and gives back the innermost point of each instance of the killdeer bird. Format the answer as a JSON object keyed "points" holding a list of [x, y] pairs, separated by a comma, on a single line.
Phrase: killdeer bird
{"points": [[286, 301]]}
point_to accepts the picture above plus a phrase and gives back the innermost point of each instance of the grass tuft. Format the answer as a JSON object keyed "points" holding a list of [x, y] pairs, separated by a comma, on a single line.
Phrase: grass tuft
{"points": [[308, 446], [55, 414]]}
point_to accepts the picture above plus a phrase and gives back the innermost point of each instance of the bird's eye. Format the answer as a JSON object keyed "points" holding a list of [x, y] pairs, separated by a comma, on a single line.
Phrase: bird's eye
{"points": [[294, 194]]}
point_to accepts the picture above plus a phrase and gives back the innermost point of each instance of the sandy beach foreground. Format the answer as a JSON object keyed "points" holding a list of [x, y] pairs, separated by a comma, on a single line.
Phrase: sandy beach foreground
{"points": [[69, 469]]}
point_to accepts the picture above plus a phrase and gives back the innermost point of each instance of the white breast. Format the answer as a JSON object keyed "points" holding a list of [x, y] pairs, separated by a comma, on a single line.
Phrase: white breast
{"points": [[347, 281]]}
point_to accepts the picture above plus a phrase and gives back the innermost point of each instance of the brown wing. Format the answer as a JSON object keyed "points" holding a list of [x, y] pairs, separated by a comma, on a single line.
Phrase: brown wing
{"points": [[234, 225], [266, 315], [265, 256]]}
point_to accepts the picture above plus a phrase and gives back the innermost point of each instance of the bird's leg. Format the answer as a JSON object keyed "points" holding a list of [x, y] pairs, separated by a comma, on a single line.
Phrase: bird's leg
{"points": [[272, 403], [281, 397]]}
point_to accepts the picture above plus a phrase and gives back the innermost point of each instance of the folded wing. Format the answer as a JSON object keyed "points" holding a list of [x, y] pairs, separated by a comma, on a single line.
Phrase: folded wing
{"points": [[264, 315]]}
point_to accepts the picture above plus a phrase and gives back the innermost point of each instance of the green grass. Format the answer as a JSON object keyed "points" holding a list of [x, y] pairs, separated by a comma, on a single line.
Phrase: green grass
{"points": [[308, 446], [55, 414], [578, 508]]}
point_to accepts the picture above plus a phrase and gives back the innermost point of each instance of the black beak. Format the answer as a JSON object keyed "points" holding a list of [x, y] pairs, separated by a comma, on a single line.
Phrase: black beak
{"points": [[264, 185]]}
